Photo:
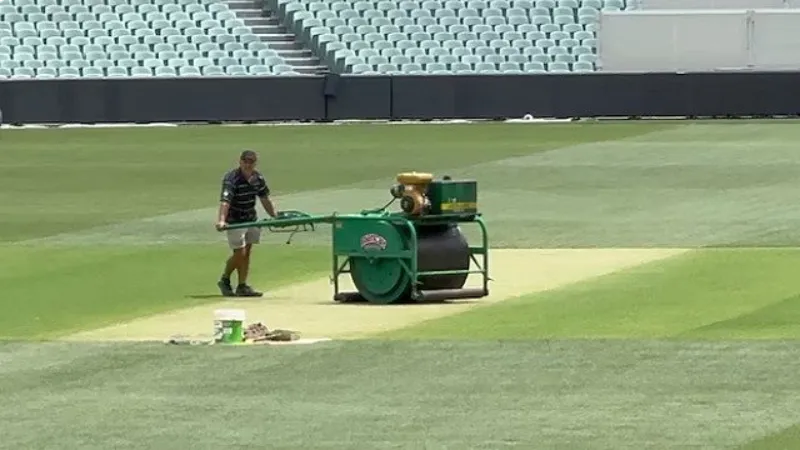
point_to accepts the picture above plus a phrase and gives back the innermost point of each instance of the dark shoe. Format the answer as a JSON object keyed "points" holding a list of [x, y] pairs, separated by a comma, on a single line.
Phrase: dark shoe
{"points": [[225, 288], [244, 290]]}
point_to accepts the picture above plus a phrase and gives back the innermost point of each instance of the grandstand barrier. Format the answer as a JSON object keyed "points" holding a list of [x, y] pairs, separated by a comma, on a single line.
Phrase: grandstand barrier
{"points": [[713, 4], [334, 97], [699, 40]]}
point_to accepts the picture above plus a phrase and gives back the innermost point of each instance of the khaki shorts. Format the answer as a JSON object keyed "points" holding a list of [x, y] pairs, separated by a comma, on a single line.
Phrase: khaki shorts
{"points": [[240, 237]]}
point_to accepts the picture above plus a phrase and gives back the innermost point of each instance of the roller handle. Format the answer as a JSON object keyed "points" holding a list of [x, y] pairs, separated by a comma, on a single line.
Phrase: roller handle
{"points": [[292, 218]]}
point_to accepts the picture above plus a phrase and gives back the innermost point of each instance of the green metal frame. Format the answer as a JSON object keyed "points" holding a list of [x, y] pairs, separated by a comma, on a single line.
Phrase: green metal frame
{"points": [[406, 258]]}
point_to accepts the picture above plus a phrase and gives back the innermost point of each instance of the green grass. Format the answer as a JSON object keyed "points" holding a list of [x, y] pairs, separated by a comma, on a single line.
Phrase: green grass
{"points": [[780, 440], [89, 205], [66, 180], [715, 293], [52, 291], [698, 351], [371, 395]]}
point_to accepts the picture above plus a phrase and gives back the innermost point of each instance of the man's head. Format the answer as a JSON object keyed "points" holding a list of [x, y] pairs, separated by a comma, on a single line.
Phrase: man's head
{"points": [[247, 162]]}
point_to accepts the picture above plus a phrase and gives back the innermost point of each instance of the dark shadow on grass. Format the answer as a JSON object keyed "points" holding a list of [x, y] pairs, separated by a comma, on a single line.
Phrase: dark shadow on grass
{"points": [[205, 296], [402, 304], [780, 317], [788, 437]]}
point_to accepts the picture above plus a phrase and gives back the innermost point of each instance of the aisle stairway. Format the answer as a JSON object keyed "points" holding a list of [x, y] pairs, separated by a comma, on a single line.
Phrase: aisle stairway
{"points": [[267, 26]]}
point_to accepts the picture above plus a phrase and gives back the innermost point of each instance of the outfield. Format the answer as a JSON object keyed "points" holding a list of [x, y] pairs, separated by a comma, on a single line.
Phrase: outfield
{"points": [[643, 292]]}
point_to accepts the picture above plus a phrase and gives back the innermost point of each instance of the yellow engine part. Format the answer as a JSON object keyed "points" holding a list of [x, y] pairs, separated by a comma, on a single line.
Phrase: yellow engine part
{"points": [[413, 202], [415, 178], [415, 184]]}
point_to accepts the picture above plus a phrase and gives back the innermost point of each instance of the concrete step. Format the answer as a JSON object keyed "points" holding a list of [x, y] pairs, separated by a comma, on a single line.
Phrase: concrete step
{"points": [[255, 21], [241, 4], [298, 53], [294, 53], [261, 20], [267, 29], [310, 69], [302, 62], [249, 13], [282, 45], [271, 16], [278, 37]]}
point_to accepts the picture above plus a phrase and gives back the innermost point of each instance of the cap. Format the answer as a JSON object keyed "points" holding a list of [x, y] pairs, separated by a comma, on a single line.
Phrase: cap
{"points": [[248, 154]]}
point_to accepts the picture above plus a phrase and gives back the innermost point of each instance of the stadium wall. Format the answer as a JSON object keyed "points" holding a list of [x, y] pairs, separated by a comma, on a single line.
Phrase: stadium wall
{"points": [[713, 4], [699, 40], [402, 97]]}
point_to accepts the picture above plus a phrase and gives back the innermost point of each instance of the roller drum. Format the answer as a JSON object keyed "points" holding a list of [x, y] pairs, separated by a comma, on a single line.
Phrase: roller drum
{"points": [[439, 247], [379, 279], [442, 247]]}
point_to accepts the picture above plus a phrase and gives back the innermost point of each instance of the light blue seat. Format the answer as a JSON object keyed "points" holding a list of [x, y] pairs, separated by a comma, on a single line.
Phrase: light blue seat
{"points": [[165, 36], [89, 38], [236, 70], [189, 71], [69, 72], [92, 72], [140, 71], [23, 72], [117, 72], [165, 71], [485, 67], [212, 71], [259, 70]]}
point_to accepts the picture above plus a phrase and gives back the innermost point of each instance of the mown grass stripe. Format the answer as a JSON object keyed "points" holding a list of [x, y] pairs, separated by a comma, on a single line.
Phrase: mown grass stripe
{"points": [[787, 438], [148, 171], [84, 257], [85, 288], [629, 394], [677, 297]]}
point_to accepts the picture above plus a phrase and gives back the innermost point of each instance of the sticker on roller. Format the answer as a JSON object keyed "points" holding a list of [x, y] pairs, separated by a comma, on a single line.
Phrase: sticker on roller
{"points": [[373, 242]]}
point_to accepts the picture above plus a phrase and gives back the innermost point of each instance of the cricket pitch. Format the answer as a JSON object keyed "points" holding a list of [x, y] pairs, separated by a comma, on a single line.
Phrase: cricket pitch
{"points": [[308, 308]]}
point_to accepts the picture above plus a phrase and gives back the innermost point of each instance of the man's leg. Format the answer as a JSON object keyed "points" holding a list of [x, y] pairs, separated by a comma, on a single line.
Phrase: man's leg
{"points": [[236, 242], [253, 236], [232, 264], [244, 264]]}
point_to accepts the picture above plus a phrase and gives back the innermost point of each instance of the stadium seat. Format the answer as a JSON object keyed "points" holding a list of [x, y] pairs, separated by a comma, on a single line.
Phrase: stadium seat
{"points": [[97, 38], [174, 38], [449, 36]]}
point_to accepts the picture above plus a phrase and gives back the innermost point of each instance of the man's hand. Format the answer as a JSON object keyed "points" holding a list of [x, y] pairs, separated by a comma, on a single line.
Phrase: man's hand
{"points": [[221, 225]]}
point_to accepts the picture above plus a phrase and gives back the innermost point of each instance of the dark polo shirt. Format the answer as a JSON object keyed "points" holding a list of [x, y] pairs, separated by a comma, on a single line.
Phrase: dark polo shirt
{"points": [[241, 194]]}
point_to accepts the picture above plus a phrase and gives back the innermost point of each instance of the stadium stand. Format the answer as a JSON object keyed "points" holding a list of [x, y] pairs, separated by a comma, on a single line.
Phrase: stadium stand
{"points": [[143, 38], [448, 36], [122, 38]]}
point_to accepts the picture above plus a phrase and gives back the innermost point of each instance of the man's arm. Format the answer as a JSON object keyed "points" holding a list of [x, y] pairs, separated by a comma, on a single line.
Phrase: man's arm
{"points": [[223, 213], [268, 206], [266, 202], [224, 203]]}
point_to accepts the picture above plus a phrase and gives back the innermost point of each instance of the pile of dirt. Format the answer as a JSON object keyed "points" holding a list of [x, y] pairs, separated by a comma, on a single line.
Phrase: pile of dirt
{"points": [[259, 332]]}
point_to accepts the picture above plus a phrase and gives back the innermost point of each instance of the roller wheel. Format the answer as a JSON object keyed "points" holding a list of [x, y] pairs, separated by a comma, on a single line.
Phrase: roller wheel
{"points": [[442, 248], [381, 281], [385, 281]]}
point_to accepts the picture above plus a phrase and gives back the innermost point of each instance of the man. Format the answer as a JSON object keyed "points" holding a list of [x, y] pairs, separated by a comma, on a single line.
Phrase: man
{"points": [[240, 187]]}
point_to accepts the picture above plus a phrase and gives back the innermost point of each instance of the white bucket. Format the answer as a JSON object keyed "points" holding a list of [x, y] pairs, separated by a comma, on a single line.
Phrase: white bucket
{"points": [[229, 326]]}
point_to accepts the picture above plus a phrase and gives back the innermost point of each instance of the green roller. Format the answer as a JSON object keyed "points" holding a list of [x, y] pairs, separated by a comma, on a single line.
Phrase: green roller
{"points": [[418, 254]]}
